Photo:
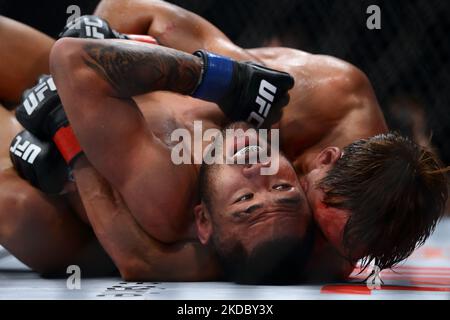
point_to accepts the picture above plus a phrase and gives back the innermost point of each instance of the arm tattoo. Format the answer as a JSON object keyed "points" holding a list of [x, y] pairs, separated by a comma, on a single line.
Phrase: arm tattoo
{"points": [[133, 69]]}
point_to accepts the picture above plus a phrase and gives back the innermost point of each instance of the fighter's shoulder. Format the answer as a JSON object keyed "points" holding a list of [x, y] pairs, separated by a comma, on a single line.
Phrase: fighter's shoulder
{"points": [[294, 57], [304, 65], [279, 56]]}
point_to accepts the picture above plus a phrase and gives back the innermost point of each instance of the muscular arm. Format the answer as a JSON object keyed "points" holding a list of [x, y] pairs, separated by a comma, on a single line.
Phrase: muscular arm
{"points": [[131, 69], [96, 80], [171, 25], [24, 56], [137, 255]]}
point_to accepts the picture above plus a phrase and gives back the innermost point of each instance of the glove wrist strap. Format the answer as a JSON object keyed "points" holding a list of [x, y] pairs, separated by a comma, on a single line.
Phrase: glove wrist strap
{"points": [[67, 144], [216, 77]]}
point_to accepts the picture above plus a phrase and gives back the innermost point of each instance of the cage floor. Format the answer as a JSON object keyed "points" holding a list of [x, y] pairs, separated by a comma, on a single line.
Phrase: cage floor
{"points": [[425, 275]]}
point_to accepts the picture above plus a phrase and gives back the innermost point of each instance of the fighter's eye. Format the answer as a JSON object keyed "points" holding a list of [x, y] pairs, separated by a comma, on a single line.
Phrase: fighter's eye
{"points": [[281, 187], [247, 196]]}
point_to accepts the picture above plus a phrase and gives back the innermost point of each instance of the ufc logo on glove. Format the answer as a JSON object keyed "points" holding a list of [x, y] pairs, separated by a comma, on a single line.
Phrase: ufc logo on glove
{"points": [[25, 150], [91, 26], [243, 90], [266, 94], [38, 95]]}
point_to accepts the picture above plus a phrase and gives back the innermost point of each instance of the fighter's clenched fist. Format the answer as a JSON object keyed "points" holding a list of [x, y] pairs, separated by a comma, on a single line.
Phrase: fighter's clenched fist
{"points": [[89, 26], [243, 90], [42, 114]]}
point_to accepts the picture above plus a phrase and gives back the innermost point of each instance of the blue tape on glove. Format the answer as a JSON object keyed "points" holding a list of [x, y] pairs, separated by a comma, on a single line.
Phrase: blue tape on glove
{"points": [[217, 76]]}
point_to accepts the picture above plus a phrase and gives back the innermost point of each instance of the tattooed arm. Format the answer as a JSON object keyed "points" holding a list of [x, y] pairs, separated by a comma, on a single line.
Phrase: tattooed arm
{"points": [[133, 69], [96, 80]]}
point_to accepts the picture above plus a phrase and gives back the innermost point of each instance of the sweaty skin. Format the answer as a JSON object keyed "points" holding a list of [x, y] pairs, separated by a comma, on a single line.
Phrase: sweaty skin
{"points": [[332, 103], [107, 98]]}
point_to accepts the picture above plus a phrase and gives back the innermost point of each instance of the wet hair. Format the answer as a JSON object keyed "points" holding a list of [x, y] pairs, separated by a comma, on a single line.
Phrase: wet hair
{"points": [[396, 192], [275, 262]]}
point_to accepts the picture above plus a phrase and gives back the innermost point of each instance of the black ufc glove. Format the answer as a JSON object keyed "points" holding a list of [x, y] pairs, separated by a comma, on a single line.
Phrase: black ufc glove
{"points": [[244, 91], [90, 27], [39, 162], [42, 114]]}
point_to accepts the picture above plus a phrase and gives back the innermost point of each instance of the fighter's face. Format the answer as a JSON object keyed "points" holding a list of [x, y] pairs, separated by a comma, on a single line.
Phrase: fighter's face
{"points": [[251, 208]]}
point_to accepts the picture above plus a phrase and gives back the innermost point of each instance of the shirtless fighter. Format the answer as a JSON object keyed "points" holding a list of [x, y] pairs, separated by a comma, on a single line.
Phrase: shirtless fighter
{"points": [[34, 168], [80, 65], [332, 104], [318, 79]]}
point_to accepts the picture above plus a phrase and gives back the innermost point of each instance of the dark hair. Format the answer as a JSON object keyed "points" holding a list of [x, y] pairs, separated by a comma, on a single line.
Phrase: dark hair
{"points": [[396, 192], [274, 262]]}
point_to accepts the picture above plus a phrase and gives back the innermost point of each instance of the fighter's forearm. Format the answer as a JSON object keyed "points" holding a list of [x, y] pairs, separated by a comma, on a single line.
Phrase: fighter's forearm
{"points": [[133, 69]]}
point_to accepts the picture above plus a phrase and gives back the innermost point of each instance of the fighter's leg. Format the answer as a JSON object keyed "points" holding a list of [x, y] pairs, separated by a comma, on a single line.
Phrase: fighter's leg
{"points": [[43, 232], [23, 57]]}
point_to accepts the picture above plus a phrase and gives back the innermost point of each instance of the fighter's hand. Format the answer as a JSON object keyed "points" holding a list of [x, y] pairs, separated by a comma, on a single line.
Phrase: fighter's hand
{"points": [[41, 113], [243, 90], [37, 104], [39, 162], [93, 27]]}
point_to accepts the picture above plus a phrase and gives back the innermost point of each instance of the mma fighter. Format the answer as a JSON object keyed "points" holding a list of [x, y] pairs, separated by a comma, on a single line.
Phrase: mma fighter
{"points": [[308, 128]]}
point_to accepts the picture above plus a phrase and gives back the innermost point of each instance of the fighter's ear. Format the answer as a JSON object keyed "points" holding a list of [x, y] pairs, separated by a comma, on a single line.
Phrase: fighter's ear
{"points": [[327, 157], [203, 222]]}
